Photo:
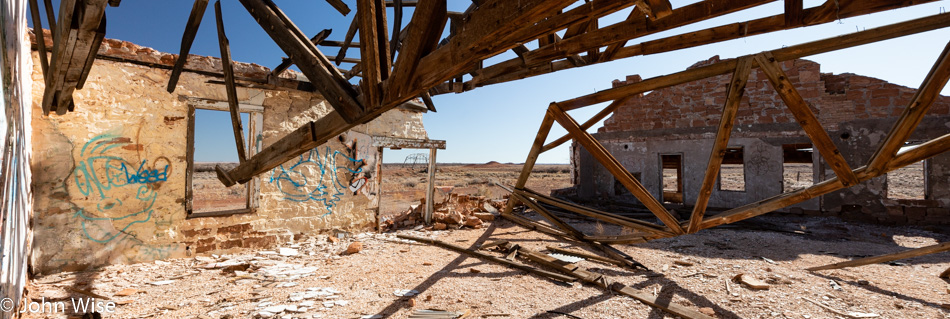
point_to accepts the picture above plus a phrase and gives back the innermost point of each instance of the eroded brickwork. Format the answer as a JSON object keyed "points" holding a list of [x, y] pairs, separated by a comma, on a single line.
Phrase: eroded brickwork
{"points": [[857, 112]]}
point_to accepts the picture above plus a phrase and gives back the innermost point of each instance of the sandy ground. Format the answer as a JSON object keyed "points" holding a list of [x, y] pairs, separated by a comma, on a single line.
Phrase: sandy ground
{"points": [[363, 284]]}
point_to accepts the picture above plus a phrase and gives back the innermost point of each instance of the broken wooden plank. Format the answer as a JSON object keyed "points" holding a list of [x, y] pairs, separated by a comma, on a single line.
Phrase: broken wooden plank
{"points": [[229, 84], [622, 175], [287, 62], [539, 272], [40, 38], [806, 118], [422, 36], [932, 249], [945, 273], [348, 39], [929, 91], [339, 6], [191, 30], [338, 91], [726, 123], [586, 255], [427, 100], [375, 50], [560, 224], [635, 224]]}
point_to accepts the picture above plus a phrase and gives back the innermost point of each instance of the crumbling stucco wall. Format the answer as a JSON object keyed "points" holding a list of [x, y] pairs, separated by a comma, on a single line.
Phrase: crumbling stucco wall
{"points": [[857, 112], [110, 177]]}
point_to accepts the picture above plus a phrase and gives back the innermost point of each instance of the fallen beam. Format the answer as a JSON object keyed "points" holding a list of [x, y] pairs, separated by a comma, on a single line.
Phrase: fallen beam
{"points": [[233, 107], [933, 249]]}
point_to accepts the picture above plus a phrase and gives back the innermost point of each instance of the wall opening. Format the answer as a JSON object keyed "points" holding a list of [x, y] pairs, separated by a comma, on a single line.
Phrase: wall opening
{"points": [[797, 167], [732, 171], [211, 143], [672, 178], [908, 182]]}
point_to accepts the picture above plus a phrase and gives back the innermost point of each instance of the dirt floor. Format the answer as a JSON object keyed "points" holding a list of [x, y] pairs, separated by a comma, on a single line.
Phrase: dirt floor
{"points": [[693, 270], [310, 278]]}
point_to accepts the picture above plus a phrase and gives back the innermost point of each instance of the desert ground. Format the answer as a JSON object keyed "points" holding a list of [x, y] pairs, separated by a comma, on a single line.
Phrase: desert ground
{"points": [[393, 278]]}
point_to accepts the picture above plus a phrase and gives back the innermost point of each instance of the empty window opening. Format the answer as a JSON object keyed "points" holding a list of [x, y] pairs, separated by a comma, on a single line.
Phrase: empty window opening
{"points": [[797, 167], [213, 142], [672, 178], [732, 171], [908, 182]]}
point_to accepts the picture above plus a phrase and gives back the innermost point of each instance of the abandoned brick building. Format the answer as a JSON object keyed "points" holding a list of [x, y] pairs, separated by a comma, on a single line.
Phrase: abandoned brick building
{"points": [[672, 130], [113, 179]]}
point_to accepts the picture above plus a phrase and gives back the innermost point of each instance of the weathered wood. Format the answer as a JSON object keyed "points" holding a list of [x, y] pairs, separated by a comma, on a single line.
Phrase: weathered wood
{"points": [[339, 6], [783, 54], [397, 28], [234, 109], [726, 123], [72, 54], [598, 151], [348, 39], [427, 100], [660, 8], [422, 36], [40, 37], [430, 187], [588, 124], [92, 53], [571, 252], [543, 131], [639, 225], [606, 283], [806, 118], [519, 266], [375, 50], [929, 91], [920, 152], [933, 249], [191, 29], [287, 62], [50, 17], [562, 225], [190, 160], [945, 273], [400, 143], [793, 13], [337, 90]]}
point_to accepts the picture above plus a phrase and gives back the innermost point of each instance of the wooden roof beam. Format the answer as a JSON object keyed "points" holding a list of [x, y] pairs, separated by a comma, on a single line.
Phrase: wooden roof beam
{"points": [[191, 30]]}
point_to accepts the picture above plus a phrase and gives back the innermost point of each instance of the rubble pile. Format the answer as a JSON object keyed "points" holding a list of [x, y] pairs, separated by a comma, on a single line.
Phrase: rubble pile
{"points": [[456, 211]]}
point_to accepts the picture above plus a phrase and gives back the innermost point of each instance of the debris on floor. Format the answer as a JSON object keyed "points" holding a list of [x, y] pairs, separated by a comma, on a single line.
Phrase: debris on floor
{"points": [[456, 211]]}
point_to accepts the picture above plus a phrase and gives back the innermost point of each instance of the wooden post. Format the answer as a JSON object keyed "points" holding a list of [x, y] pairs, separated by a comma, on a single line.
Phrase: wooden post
{"points": [[430, 188], [718, 151], [885, 258], [379, 189], [616, 169], [40, 38], [229, 84]]}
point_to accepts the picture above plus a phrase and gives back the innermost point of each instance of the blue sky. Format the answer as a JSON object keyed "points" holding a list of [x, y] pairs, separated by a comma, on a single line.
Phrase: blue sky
{"points": [[499, 122]]}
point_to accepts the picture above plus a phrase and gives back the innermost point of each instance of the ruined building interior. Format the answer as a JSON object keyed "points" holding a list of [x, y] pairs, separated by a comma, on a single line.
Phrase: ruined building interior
{"points": [[105, 202]]}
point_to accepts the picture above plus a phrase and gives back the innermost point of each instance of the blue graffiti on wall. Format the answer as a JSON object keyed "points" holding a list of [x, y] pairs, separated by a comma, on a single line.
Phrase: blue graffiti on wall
{"points": [[109, 208], [145, 176], [321, 177]]}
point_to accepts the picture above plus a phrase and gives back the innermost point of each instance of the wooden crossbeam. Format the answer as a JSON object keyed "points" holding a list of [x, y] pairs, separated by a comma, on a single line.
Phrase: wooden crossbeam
{"points": [[651, 228], [914, 112], [100, 34], [933, 249], [513, 69], [422, 36], [191, 30], [613, 106], [339, 6], [783, 54], [374, 53], [622, 175], [233, 107], [397, 28], [79, 27], [726, 123], [348, 39], [805, 117], [287, 62], [40, 38], [318, 69], [660, 8], [793, 13]]}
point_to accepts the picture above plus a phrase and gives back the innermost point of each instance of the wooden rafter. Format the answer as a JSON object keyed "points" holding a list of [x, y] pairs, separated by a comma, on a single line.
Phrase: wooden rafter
{"points": [[422, 36], [805, 117], [348, 39], [622, 175], [233, 107], [191, 29], [287, 62], [374, 53], [726, 122], [339, 6]]}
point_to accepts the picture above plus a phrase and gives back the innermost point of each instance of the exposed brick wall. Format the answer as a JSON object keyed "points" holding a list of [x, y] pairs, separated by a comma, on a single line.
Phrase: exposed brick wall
{"points": [[833, 98]]}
